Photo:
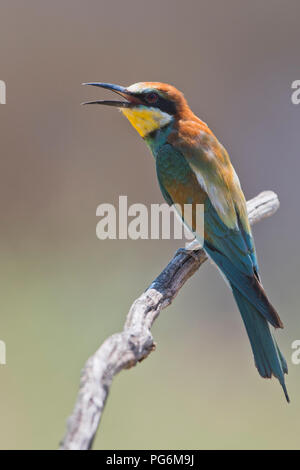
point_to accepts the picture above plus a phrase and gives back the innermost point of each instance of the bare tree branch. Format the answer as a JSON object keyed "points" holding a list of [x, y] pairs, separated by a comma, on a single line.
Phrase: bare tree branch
{"points": [[123, 350]]}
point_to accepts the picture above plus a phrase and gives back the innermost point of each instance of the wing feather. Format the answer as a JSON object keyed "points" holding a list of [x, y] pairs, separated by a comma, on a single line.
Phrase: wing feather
{"points": [[228, 238]]}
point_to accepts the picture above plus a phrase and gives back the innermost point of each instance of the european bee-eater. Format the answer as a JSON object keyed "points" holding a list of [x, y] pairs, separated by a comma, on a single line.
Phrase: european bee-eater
{"points": [[194, 168]]}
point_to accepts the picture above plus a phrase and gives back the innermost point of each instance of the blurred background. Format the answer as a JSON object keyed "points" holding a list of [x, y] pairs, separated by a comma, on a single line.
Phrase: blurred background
{"points": [[63, 291]]}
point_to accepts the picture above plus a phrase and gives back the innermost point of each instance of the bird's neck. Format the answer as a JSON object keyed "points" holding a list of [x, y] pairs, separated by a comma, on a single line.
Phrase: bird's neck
{"points": [[186, 130], [158, 138]]}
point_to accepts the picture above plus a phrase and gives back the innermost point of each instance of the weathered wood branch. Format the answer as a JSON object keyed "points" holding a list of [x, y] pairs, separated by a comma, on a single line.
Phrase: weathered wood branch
{"points": [[123, 350]]}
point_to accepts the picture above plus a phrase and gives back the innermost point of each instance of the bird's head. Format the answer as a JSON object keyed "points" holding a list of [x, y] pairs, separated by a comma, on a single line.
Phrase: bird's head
{"points": [[148, 106]]}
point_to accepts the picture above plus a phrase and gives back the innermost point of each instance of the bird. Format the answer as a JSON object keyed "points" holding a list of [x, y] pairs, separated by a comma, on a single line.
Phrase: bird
{"points": [[193, 167]]}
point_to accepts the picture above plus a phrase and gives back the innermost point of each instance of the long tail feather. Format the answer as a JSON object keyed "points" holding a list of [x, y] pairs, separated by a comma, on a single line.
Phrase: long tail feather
{"points": [[268, 358]]}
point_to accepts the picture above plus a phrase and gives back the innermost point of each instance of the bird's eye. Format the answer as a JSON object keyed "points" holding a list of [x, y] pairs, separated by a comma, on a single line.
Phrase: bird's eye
{"points": [[152, 97]]}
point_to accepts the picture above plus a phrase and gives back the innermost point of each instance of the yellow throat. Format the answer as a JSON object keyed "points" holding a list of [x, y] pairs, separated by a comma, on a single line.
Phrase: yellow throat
{"points": [[146, 120]]}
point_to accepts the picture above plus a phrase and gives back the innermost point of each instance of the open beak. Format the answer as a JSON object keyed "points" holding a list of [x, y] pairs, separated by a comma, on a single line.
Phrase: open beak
{"points": [[131, 100]]}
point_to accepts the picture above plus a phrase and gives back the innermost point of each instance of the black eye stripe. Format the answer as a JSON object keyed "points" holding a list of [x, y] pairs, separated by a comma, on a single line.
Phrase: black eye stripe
{"points": [[163, 104], [166, 105]]}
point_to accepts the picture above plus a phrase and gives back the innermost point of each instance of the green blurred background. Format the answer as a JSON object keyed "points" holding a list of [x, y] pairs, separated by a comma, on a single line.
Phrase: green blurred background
{"points": [[63, 291]]}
